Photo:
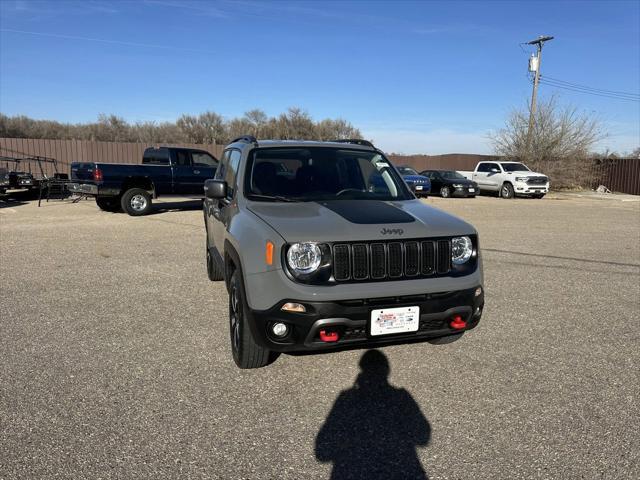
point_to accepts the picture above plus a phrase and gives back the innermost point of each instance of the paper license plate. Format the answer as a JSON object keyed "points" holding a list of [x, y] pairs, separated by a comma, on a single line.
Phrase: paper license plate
{"points": [[387, 321], [472, 189]]}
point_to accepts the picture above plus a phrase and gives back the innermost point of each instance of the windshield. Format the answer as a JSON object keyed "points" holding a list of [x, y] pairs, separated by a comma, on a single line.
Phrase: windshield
{"points": [[452, 175], [407, 171], [319, 173], [514, 167]]}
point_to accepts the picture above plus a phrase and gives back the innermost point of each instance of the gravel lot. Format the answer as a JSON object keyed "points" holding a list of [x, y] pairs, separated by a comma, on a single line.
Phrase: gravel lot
{"points": [[116, 360]]}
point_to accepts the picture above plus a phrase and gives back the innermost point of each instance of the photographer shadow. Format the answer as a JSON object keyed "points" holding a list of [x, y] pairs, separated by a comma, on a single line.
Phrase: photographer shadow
{"points": [[374, 428]]}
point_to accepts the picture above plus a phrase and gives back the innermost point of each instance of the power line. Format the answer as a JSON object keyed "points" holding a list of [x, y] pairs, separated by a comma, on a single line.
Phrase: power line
{"points": [[597, 94], [585, 87]]}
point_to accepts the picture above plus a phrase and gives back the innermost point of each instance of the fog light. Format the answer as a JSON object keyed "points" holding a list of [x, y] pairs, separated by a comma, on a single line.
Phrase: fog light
{"points": [[478, 291], [279, 329], [293, 307]]}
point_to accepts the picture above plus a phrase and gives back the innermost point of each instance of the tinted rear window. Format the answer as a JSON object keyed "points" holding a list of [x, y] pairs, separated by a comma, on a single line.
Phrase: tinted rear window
{"points": [[156, 156]]}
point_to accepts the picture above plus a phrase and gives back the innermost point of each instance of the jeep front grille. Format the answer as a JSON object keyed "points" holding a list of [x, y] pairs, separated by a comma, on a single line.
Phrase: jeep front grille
{"points": [[391, 260]]}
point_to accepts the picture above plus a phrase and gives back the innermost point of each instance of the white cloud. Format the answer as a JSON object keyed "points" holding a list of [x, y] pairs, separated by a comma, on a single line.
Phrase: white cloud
{"points": [[430, 142]]}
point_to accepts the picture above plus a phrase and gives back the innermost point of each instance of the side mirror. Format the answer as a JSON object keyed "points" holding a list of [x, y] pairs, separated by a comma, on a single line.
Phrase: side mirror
{"points": [[215, 189], [495, 170]]}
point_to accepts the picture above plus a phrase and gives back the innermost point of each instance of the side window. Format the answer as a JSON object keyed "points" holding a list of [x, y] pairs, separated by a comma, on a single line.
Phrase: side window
{"points": [[156, 156], [222, 168], [202, 159], [484, 167], [182, 158], [232, 171]]}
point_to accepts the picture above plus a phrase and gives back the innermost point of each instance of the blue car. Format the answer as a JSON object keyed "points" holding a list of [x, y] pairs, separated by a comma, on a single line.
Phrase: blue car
{"points": [[419, 184]]}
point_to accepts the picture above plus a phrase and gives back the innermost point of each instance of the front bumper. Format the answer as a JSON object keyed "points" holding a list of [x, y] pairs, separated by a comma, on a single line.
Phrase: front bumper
{"points": [[351, 320], [523, 188], [465, 191], [421, 189]]}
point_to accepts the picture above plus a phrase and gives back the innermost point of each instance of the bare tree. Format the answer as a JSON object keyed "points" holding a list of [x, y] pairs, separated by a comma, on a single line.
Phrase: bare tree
{"points": [[258, 119], [206, 128], [560, 143], [558, 133]]}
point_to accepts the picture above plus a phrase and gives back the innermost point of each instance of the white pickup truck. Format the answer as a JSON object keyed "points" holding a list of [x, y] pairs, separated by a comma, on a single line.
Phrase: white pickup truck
{"points": [[508, 179]]}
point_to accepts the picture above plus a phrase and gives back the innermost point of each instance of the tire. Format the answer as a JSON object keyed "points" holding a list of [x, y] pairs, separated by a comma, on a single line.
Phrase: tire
{"points": [[246, 352], [136, 202], [445, 192], [445, 340], [214, 270], [506, 191], [108, 204]]}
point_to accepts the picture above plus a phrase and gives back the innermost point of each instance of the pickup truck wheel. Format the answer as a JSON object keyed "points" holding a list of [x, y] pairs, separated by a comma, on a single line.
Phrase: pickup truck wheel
{"points": [[506, 191], [108, 204], [136, 202], [246, 352], [214, 271], [445, 192]]}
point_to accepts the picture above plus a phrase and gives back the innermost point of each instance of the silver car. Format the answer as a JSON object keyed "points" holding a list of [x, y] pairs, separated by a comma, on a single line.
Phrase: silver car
{"points": [[322, 246]]}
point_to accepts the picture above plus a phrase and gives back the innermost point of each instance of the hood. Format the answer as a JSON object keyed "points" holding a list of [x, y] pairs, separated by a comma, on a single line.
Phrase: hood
{"points": [[358, 220], [461, 181], [526, 174]]}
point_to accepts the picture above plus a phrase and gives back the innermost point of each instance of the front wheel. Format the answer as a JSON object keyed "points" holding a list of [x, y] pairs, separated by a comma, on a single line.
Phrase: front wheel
{"points": [[507, 191], [246, 352], [445, 192], [136, 202]]}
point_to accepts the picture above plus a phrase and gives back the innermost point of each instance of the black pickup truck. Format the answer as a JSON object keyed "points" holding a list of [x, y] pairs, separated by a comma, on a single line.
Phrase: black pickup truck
{"points": [[164, 170]]}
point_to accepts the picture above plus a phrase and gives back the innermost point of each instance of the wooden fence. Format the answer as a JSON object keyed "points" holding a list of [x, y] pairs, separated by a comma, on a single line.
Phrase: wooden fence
{"points": [[68, 151], [619, 175]]}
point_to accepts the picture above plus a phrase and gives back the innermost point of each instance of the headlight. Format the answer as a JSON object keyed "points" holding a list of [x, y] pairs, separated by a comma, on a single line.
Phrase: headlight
{"points": [[457, 185], [304, 258], [522, 179], [461, 250]]}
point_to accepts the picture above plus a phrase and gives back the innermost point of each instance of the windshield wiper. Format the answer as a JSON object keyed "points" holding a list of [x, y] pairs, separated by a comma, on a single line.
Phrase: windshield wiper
{"points": [[275, 198]]}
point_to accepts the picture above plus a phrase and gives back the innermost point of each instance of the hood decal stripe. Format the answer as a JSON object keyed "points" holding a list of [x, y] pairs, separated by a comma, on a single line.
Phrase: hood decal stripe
{"points": [[368, 212]]}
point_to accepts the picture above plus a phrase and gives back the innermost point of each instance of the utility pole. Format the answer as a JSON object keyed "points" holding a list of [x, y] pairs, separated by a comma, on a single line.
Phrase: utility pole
{"points": [[538, 60]]}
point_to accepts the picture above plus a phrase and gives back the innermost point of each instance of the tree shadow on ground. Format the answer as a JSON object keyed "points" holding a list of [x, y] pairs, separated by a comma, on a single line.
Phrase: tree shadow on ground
{"points": [[374, 428]]}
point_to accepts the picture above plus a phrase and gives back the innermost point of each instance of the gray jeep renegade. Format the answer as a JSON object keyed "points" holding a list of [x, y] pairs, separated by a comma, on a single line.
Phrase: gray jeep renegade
{"points": [[323, 246]]}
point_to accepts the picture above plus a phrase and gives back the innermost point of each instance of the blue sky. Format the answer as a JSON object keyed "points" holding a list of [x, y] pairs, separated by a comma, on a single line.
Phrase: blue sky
{"points": [[416, 77]]}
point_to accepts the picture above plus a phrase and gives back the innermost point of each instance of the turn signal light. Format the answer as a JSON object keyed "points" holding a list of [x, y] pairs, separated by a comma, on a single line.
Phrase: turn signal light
{"points": [[329, 336], [268, 253], [293, 307], [458, 323]]}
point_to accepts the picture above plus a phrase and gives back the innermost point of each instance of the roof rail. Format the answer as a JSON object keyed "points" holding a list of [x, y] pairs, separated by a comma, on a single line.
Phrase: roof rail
{"points": [[245, 138], [355, 141]]}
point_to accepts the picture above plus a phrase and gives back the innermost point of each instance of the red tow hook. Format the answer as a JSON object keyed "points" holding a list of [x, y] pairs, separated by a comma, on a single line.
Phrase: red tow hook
{"points": [[329, 336], [458, 323]]}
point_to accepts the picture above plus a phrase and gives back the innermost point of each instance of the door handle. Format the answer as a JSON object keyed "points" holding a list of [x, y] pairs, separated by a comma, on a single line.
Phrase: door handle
{"points": [[196, 171]]}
